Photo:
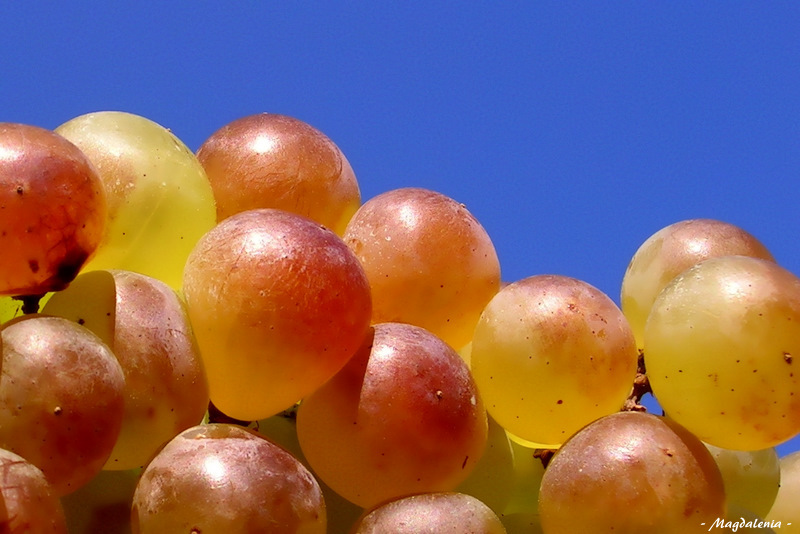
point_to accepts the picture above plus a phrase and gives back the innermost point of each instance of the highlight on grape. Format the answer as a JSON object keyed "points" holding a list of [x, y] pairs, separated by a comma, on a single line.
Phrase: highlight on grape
{"points": [[230, 340]]}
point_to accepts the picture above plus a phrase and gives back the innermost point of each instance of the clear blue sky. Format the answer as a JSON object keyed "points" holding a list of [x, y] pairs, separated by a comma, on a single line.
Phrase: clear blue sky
{"points": [[572, 130]]}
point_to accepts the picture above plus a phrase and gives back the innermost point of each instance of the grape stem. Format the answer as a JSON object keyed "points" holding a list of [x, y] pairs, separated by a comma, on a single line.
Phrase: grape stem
{"points": [[641, 386]]}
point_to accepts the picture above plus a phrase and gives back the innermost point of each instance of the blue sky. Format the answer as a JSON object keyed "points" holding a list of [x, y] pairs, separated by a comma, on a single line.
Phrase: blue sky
{"points": [[572, 131]]}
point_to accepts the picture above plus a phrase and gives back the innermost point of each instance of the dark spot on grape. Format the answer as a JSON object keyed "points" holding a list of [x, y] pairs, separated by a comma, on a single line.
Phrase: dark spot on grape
{"points": [[787, 358], [559, 401], [34, 266], [464, 463], [81, 321], [57, 410], [20, 190]]}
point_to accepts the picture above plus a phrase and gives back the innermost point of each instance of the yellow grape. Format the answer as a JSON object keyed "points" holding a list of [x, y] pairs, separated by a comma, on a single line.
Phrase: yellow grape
{"points": [[145, 324], [274, 161], [721, 346], [631, 473], [159, 199], [751, 478], [672, 250], [785, 509], [428, 260], [551, 354]]}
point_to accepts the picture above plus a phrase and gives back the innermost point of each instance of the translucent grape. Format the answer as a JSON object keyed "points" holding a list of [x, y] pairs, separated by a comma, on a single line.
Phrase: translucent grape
{"points": [[551, 354], [52, 210], [785, 508], [721, 347], [225, 479], [672, 250], [402, 417], [640, 472], [61, 398], [159, 198], [751, 478], [455, 513], [145, 324], [278, 304], [429, 262], [274, 161]]}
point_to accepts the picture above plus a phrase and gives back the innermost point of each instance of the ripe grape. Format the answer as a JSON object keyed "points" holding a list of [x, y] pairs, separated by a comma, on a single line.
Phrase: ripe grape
{"points": [[145, 324], [721, 346], [457, 513], [61, 398], [672, 250], [222, 478], [274, 161], [429, 262], [278, 304], [30, 505], [785, 508], [402, 417], [751, 478], [52, 210], [159, 198], [640, 472], [551, 354]]}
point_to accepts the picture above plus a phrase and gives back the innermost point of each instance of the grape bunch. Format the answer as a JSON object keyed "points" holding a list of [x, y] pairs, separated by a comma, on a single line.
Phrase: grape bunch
{"points": [[232, 341]]}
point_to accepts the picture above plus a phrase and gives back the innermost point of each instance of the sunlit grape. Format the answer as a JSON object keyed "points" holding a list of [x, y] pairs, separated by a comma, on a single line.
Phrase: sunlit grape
{"points": [[61, 398], [145, 324], [52, 210], [278, 304], [274, 161], [751, 478], [640, 472], [672, 250], [455, 513], [429, 261], [402, 417], [551, 354], [721, 347], [225, 479], [159, 198]]}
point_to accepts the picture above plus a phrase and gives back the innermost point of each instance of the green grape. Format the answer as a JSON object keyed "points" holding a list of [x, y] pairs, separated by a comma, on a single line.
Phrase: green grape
{"points": [[551, 354], [222, 478], [159, 199], [751, 478], [786, 509], [455, 513], [528, 473], [746, 521], [145, 324], [672, 250], [721, 346], [640, 472], [102, 505], [492, 479]]}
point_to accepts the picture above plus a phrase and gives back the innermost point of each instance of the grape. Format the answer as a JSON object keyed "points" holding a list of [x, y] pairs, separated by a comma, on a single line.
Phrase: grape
{"points": [[274, 161], [751, 478], [222, 478], [61, 398], [785, 508], [278, 304], [402, 417], [102, 505], [145, 324], [551, 354], [721, 344], [30, 504], [432, 512], [640, 472], [672, 250], [429, 262], [52, 210], [528, 473], [159, 198], [492, 479], [747, 521]]}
